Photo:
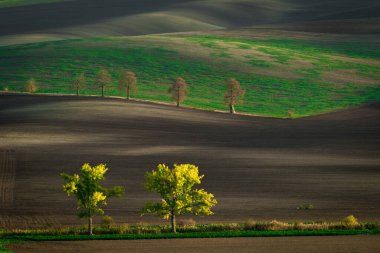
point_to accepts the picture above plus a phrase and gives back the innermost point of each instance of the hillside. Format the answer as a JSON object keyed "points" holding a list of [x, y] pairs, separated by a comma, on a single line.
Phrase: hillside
{"points": [[285, 74], [136, 17]]}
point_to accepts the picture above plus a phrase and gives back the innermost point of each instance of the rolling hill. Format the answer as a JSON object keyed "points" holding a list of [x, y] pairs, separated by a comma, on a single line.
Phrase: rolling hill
{"points": [[295, 58], [284, 74], [136, 17]]}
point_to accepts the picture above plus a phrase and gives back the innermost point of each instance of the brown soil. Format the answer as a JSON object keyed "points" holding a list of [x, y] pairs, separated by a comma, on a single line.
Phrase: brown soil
{"points": [[331, 244], [258, 168]]}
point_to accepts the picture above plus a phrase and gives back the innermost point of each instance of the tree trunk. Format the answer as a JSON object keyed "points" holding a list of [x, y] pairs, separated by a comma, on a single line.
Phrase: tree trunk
{"points": [[172, 218], [77, 91], [102, 91], [128, 93], [232, 109], [90, 226], [178, 98]]}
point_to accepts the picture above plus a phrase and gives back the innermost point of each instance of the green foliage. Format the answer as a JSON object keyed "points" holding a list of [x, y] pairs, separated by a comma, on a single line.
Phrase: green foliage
{"points": [[305, 207], [88, 191], [350, 221], [259, 63], [178, 196]]}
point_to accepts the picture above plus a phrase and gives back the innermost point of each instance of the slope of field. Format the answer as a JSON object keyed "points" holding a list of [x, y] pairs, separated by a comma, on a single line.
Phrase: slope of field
{"points": [[258, 168], [292, 75], [130, 17]]}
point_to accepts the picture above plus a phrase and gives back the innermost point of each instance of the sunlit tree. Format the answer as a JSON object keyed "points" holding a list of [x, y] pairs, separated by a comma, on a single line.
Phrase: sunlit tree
{"points": [[179, 90], [103, 79], [234, 93], [178, 195], [90, 194], [128, 83]]}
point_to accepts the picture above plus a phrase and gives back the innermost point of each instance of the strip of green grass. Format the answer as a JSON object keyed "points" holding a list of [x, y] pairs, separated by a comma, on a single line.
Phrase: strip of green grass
{"points": [[221, 234], [190, 235]]}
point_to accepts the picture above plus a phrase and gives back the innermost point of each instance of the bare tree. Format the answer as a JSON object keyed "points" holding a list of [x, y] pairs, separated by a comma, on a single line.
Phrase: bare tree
{"points": [[79, 82], [103, 79], [31, 86], [128, 83], [234, 93], [179, 90]]}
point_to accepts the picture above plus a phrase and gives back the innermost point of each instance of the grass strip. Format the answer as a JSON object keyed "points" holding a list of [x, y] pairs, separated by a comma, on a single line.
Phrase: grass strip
{"points": [[219, 234]]}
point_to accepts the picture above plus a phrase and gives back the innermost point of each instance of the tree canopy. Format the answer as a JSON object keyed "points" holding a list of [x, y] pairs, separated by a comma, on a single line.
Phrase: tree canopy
{"points": [[178, 196], [179, 90], [90, 194], [128, 82], [103, 79], [234, 93]]}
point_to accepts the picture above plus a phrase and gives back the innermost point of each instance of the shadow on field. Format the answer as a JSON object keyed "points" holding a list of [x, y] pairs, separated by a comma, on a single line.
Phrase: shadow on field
{"points": [[259, 168]]}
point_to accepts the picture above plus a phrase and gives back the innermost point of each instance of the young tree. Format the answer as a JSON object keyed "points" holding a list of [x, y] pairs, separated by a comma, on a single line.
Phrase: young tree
{"points": [[179, 90], [31, 85], [234, 93], [103, 79], [178, 195], [88, 191], [79, 82], [128, 83]]}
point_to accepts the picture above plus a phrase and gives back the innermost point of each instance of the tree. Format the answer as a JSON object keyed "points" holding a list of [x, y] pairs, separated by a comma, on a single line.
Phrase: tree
{"points": [[234, 93], [178, 196], [179, 90], [88, 191], [79, 82], [31, 85], [103, 79], [128, 82]]}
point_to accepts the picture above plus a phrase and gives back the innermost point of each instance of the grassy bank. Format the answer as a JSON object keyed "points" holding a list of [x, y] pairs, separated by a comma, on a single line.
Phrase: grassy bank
{"points": [[282, 77], [188, 229]]}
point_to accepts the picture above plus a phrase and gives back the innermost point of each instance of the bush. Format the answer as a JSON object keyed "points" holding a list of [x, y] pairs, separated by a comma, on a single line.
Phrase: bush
{"points": [[305, 207], [187, 223], [107, 222], [311, 226], [279, 225], [350, 221], [371, 225], [262, 226], [250, 225], [145, 230]]}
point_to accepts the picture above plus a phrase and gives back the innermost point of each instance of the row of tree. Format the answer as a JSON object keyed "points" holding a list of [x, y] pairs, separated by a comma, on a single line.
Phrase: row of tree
{"points": [[175, 186], [128, 84]]}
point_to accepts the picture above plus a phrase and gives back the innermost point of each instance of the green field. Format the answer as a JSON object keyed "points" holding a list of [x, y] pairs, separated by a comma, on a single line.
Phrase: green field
{"points": [[282, 77], [12, 3]]}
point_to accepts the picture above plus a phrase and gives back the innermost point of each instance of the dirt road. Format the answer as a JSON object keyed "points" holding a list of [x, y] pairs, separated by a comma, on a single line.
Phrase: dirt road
{"points": [[332, 244]]}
